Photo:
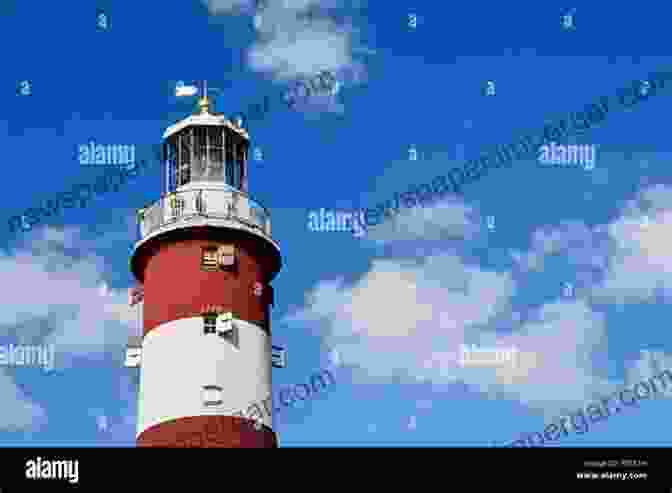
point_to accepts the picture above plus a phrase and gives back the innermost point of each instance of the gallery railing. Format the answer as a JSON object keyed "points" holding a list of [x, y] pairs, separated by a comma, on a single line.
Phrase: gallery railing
{"points": [[204, 202]]}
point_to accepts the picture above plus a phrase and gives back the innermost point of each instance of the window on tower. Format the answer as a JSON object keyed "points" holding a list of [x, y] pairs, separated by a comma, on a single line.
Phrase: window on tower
{"points": [[209, 259], [212, 395], [210, 323]]}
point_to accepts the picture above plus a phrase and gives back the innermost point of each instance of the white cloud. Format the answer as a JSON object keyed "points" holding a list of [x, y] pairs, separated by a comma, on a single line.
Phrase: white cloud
{"points": [[641, 264], [54, 293], [68, 290], [293, 46], [400, 315], [556, 356]]}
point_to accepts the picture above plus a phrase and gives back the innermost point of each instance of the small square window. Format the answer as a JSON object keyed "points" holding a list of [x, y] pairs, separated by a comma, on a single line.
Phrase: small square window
{"points": [[133, 352], [133, 357], [212, 395], [226, 328], [209, 259], [210, 324]]}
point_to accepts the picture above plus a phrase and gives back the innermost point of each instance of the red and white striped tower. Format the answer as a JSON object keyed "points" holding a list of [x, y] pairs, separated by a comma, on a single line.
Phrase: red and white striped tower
{"points": [[205, 260]]}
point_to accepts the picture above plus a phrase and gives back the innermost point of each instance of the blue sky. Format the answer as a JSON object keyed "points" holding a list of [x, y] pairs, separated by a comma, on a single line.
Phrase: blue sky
{"points": [[394, 304]]}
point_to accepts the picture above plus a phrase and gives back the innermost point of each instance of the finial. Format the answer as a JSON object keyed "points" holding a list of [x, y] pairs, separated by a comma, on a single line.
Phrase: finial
{"points": [[204, 103]]}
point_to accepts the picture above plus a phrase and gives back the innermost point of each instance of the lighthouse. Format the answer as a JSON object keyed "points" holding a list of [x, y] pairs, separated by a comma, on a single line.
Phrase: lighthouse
{"points": [[204, 262]]}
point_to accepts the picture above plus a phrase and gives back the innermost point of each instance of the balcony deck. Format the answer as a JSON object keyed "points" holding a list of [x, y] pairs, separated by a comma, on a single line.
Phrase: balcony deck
{"points": [[205, 207]]}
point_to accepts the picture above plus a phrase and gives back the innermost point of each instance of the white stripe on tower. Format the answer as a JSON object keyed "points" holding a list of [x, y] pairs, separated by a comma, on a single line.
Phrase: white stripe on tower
{"points": [[178, 360]]}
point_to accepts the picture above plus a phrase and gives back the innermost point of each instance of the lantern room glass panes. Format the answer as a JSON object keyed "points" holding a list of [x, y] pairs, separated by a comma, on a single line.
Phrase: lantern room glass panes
{"points": [[206, 153], [215, 153], [235, 161], [230, 144], [170, 155], [199, 167], [185, 146], [240, 164]]}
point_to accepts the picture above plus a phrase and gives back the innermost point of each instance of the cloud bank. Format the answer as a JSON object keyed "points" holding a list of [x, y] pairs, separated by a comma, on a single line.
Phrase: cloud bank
{"points": [[407, 317], [55, 293]]}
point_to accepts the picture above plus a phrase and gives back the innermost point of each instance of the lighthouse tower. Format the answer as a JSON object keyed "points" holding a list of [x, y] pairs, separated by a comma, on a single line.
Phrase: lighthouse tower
{"points": [[205, 261]]}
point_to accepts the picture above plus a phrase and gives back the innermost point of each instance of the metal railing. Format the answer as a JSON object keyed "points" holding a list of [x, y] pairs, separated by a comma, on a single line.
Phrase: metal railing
{"points": [[176, 207]]}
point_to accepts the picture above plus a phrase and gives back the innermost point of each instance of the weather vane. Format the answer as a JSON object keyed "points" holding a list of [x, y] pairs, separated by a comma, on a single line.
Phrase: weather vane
{"points": [[204, 102]]}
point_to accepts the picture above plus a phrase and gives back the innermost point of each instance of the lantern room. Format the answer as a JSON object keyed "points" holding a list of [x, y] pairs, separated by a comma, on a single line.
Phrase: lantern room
{"points": [[206, 150]]}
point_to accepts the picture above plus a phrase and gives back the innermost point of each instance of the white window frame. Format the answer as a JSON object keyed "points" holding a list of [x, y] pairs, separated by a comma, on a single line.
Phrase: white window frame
{"points": [[210, 388]]}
